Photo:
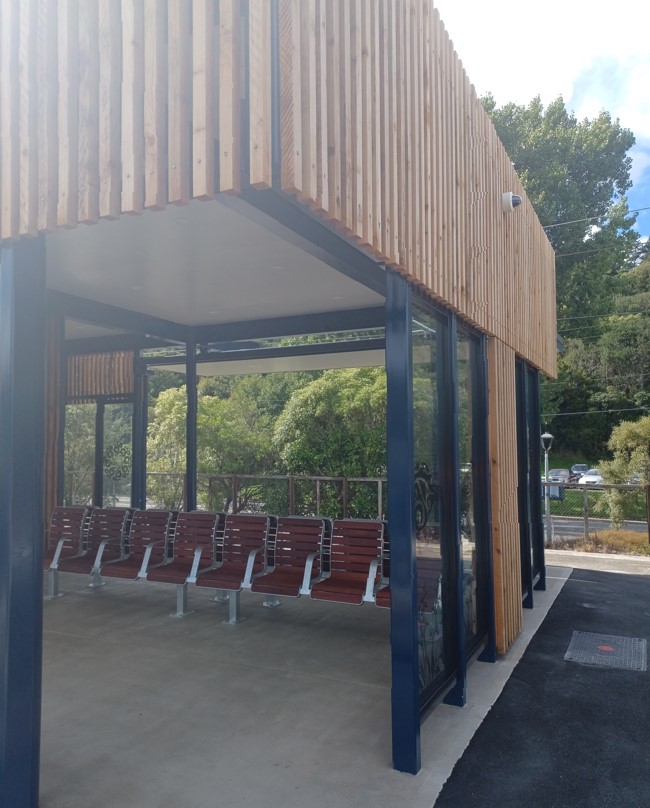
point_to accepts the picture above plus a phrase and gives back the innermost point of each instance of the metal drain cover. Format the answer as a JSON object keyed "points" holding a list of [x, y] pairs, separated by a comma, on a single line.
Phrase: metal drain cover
{"points": [[608, 651]]}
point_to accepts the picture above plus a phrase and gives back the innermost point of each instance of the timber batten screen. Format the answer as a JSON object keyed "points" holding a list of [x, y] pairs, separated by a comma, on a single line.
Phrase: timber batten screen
{"points": [[374, 123]]}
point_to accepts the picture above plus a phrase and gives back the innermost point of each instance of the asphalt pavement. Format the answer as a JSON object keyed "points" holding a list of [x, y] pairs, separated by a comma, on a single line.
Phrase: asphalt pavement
{"points": [[569, 733]]}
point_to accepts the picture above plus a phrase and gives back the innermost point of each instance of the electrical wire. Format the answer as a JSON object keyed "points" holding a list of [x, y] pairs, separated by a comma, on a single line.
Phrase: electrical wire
{"points": [[591, 412], [589, 219]]}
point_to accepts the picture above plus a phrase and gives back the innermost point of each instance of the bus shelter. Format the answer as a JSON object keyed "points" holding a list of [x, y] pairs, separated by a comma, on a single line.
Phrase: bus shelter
{"points": [[215, 172]]}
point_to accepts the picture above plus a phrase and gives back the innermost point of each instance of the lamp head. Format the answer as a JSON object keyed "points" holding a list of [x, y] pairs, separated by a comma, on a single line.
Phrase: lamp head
{"points": [[547, 440]]}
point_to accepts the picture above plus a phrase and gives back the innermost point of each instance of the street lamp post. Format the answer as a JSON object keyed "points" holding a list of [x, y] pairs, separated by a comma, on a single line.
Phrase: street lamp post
{"points": [[547, 440]]}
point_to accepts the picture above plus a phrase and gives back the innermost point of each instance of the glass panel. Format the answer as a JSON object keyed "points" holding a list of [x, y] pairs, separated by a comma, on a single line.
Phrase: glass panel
{"points": [[79, 454], [434, 660], [117, 455], [466, 458]]}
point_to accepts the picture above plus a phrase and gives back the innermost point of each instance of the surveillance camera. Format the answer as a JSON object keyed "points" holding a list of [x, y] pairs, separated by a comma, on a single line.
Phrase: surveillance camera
{"points": [[510, 201]]}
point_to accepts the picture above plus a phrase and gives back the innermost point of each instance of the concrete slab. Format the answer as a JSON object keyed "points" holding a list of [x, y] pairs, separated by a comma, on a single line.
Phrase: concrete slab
{"points": [[291, 707]]}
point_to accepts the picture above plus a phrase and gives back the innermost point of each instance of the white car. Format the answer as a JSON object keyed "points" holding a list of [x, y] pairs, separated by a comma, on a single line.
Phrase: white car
{"points": [[592, 477]]}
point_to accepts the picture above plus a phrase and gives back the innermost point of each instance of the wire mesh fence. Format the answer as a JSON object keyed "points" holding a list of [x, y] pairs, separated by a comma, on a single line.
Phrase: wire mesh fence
{"points": [[575, 513]]}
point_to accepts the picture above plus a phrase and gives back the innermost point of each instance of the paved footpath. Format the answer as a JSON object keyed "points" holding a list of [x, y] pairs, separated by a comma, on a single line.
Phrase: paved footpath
{"points": [[606, 562]]}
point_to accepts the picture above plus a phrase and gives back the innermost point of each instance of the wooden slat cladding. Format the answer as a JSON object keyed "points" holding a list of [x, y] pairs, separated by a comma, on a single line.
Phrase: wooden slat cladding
{"points": [[505, 514], [105, 374], [386, 138], [113, 106]]}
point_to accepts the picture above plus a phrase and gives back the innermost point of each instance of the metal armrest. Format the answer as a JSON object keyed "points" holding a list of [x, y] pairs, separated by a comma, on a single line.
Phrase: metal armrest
{"points": [[305, 589], [100, 552], [147, 555], [247, 582], [198, 551], [57, 553], [369, 596]]}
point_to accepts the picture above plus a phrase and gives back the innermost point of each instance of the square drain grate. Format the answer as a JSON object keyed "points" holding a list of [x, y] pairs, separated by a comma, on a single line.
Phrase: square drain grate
{"points": [[608, 651]]}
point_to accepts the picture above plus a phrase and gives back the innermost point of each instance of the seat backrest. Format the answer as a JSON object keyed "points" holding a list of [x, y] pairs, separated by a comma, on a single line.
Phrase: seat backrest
{"points": [[67, 523], [296, 538], [147, 527], [194, 529], [107, 524], [243, 533], [355, 543]]}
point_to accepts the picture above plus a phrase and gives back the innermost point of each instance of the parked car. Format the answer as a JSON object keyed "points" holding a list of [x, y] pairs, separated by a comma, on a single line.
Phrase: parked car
{"points": [[560, 475], [578, 470], [592, 477]]}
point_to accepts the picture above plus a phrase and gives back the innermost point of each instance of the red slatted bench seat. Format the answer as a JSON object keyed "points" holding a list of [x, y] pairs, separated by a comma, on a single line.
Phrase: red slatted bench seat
{"points": [[297, 558], [243, 555], [429, 570], [352, 561], [67, 526], [103, 538], [149, 531], [190, 548]]}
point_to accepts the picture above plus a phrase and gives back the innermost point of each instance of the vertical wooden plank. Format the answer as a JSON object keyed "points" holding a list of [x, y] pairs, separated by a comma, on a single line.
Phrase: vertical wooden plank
{"points": [[28, 122], [110, 108], [308, 99], [203, 164], [426, 144], [259, 93], [47, 124], [334, 148], [347, 212], [155, 104], [357, 120], [366, 106], [68, 39], [229, 96], [88, 178], [179, 102], [132, 106], [322, 158], [377, 239], [391, 213], [291, 97], [9, 132], [402, 139]]}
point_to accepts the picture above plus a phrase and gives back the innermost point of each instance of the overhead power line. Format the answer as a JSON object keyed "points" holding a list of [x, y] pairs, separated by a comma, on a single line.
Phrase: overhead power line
{"points": [[589, 219], [591, 412]]}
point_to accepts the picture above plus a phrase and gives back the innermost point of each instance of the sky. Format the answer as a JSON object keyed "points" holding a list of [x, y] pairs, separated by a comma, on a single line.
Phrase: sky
{"points": [[595, 54]]}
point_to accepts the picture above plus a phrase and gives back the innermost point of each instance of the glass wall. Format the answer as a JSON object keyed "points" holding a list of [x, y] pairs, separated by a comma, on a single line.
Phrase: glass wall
{"points": [[434, 552], [470, 454]]}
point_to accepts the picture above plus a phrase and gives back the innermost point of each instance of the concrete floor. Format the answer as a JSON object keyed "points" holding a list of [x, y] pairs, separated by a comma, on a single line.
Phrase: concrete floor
{"points": [[289, 708]]}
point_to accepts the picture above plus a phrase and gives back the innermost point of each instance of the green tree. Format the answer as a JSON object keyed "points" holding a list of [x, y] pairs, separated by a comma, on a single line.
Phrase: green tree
{"points": [[577, 172], [630, 447]]}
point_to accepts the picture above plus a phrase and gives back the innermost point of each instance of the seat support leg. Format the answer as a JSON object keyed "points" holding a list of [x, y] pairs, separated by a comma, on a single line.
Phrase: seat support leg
{"points": [[53, 584], [234, 615], [271, 602], [96, 580], [181, 601]]}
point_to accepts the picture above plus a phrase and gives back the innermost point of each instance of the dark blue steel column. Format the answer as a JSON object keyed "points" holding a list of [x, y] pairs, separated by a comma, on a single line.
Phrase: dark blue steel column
{"points": [[22, 417], [451, 490], [537, 529], [191, 439], [98, 484], [139, 434], [489, 653], [405, 693]]}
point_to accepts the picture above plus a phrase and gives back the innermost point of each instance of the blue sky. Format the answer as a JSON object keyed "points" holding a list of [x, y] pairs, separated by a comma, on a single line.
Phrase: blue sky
{"points": [[595, 54]]}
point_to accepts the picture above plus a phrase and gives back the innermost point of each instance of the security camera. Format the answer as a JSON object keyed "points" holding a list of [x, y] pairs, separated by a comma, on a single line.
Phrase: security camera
{"points": [[510, 201]]}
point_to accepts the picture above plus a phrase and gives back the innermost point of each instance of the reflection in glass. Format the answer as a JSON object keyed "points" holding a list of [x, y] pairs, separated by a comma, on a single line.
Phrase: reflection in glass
{"points": [[466, 432], [433, 659], [117, 455]]}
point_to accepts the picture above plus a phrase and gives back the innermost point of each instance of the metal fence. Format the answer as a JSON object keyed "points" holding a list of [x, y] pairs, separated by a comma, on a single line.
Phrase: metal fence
{"points": [[336, 497], [586, 513]]}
